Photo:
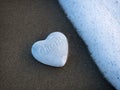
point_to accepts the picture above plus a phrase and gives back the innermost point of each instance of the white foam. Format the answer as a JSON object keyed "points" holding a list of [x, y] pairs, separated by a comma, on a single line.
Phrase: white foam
{"points": [[100, 31]]}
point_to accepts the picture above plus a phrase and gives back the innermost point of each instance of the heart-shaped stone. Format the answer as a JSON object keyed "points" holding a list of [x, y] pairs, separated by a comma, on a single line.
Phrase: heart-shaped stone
{"points": [[53, 51]]}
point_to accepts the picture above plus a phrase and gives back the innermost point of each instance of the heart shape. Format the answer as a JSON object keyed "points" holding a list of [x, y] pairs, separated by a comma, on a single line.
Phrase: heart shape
{"points": [[53, 51]]}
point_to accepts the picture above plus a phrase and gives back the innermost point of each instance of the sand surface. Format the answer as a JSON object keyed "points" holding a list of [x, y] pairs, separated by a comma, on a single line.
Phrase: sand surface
{"points": [[22, 22]]}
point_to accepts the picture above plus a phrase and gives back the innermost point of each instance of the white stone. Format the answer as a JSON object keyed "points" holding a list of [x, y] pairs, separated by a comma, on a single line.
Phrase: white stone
{"points": [[96, 21], [53, 51]]}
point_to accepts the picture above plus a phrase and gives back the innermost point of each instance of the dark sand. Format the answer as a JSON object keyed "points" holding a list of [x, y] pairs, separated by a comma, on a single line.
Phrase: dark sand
{"points": [[22, 22]]}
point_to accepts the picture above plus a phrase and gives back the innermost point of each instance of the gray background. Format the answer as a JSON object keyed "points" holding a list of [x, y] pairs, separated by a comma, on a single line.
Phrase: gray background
{"points": [[22, 22]]}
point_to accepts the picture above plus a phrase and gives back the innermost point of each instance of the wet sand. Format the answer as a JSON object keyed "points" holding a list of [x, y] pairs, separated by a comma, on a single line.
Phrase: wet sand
{"points": [[22, 22]]}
